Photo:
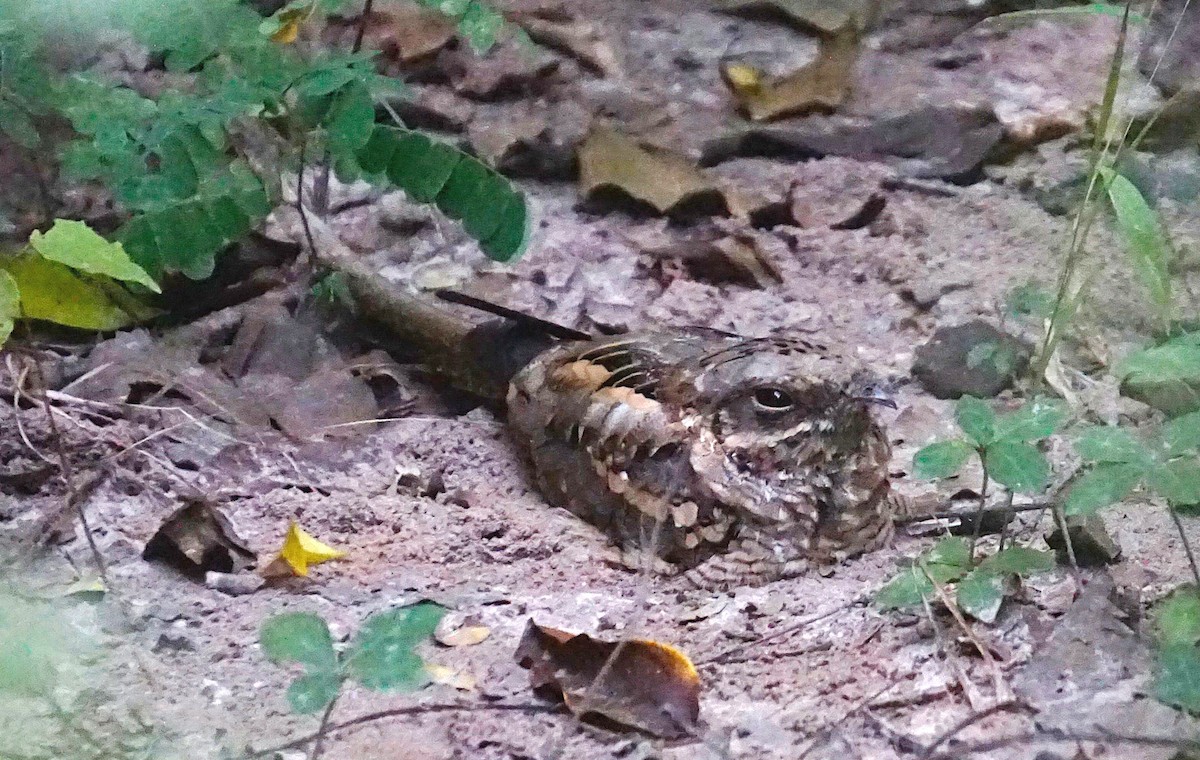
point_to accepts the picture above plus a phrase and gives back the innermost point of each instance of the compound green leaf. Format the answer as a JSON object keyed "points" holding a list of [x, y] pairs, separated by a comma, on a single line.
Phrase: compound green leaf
{"points": [[299, 637], [941, 459], [976, 419], [79, 247], [1105, 484], [351, 118]]}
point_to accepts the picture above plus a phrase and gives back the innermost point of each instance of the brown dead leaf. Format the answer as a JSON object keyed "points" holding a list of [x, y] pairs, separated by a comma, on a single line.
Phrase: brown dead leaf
{"points": [[198, 538], [819, 86], [821, 16], [731, 259], [405, 32], [582, 40], [644, 684], [667, 182]]}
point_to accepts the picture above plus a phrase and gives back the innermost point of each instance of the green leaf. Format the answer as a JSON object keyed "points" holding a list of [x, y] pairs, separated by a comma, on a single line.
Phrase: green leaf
{"points": [[299, 637], [946, 562], [1030, 300], [1017, 466], [1177, 359], [1182, 434], [313, 692], [908, 589], [1019, 560], [490, 208], [980, 594], [953, 552], [53, 292], [1178, 617], [382, 657], [941, 459], [1177, 481], [1032, 422], [16, 124], [10, 305], [1179, 676], [1105, 484], [77, 246], [976, 419], [480, 25], [351, 118], [1112, 444], [1015, 19], [1148, 246]]}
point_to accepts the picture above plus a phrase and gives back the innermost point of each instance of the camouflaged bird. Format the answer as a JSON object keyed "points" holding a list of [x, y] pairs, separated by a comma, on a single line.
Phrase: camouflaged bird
{"points": [[737, 459]]}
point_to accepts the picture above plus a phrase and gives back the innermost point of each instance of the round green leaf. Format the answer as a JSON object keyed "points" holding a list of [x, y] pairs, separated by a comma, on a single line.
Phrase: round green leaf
{"points": [[1105, 484], [382, 654], [980, 594], [516, 224], [1017, 466], [941, 459], [1178, 617], [313, 692], [299, 637], [421, 167], [976, 419], [351, 119], [953, 552]]}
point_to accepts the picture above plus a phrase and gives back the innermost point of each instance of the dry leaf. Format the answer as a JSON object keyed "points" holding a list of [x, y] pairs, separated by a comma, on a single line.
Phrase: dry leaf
{"points": [[821, 16], [444, 676], [289, 25], [463, 636], [735, 259], [198, 538], [646, 685], [820, 86], [583, 41], [669, 183], [405, 32], [299, 551]]}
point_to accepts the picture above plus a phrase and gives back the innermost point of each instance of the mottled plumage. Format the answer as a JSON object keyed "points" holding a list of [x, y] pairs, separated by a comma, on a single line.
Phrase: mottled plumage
{"points": [[736, 459]]}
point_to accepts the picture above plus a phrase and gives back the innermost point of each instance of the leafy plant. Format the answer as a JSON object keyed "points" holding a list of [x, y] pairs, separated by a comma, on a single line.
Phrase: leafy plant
{"points": [[1006, 450], [181, 166], [381, 657], [1177, 631]]}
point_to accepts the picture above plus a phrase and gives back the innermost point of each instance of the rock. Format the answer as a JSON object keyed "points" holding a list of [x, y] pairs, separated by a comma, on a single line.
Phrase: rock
{"points": [[1089, 539], [1173, 56], [974, 359]]}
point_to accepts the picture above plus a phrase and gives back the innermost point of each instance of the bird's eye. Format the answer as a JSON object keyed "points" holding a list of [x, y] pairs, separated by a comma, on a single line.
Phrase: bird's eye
{"points": [[773, 400]]}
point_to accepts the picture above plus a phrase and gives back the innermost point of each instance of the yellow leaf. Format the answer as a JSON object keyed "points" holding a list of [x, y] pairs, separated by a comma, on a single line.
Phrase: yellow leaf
{"points": [[54, 292], [744, 79], [301, 550], [10, 305], [289, 25]]}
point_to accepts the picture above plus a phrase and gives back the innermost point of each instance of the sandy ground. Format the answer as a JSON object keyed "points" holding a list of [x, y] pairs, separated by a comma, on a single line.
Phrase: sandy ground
{"points": [[798, 668]]}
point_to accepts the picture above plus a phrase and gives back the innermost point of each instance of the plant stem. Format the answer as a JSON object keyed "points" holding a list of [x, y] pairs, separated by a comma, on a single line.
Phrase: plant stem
{"points": [[1187, 546], [319, 741], [982, 507]]}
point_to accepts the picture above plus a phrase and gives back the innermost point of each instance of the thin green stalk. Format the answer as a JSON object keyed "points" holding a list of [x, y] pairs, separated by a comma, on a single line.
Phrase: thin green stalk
{"points": [[980, 509], [319, 742]]}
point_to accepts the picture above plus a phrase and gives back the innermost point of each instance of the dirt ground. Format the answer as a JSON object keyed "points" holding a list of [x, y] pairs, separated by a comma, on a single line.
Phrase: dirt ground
{"points": [[797, 668]]}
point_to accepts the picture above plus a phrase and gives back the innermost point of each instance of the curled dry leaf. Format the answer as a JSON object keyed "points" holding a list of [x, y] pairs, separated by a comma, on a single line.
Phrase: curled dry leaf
{"points": [[583, 41], [462, 636], [667, 182], [636, 682], [732, 259], [198, 538], [821, 16], [444, 676], [819, 86]]}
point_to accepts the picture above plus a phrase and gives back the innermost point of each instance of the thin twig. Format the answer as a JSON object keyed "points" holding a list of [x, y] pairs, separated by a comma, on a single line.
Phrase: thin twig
{"points": [[1187, 545], [362, 26], [319, 742], [982, 505], [966, 723], [308, 236], [399, 711], [1061, 519], [1003, 692]]}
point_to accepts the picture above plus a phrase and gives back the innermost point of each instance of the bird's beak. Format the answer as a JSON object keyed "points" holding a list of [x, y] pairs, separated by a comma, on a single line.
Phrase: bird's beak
{"points": [[876, 395]]}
